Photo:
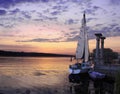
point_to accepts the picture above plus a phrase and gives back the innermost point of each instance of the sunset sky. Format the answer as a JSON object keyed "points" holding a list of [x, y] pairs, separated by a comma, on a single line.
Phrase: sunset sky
{"points": [[52, 26]]}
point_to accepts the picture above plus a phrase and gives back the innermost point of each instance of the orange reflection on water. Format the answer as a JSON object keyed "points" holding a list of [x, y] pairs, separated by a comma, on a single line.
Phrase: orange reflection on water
{"points": [[32, 71]]}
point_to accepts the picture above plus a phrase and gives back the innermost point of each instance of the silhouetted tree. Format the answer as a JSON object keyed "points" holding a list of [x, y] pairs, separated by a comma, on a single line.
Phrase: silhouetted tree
{"points": [[109, 55]]}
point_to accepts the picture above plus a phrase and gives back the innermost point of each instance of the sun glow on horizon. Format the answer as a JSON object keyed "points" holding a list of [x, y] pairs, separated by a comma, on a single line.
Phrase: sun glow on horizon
{"points": [[59, 47]]}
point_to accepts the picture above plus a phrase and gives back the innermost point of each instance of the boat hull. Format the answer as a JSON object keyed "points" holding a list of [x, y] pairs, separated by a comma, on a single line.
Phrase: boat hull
{"points": [[77, 78], [77, 71], [96, 75]]}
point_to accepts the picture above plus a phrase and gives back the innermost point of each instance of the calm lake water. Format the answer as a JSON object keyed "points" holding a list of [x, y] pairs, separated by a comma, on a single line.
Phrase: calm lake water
{"points": [[36, 74]]}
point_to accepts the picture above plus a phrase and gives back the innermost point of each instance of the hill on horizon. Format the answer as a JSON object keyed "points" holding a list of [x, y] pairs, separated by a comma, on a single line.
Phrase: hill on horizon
{"points": [[31, 54]]}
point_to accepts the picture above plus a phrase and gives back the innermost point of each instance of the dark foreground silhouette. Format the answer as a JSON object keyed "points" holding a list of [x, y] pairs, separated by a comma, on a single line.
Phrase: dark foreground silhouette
{"points": [[83, 84]]}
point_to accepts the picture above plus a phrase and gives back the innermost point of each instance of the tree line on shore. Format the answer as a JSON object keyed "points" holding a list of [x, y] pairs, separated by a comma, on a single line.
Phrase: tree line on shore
{"points": [[31, 54]]}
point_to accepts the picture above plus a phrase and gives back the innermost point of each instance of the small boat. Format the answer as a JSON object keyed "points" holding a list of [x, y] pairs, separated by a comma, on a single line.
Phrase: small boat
{"points": [[79, 68], [82, 52], [96, 75]]}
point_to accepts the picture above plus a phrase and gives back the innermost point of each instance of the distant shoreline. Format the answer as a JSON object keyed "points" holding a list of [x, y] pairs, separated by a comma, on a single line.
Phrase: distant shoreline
{"points": [[30, 54]]}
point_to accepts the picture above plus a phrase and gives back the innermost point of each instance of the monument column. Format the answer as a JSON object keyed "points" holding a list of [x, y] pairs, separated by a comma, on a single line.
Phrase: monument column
{"points": [[97, 53], [102, 50]]}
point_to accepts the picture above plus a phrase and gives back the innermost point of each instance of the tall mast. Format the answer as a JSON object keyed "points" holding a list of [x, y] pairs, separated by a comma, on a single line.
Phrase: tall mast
{"points": [[86, 54], [84, 18], [82, 50]]}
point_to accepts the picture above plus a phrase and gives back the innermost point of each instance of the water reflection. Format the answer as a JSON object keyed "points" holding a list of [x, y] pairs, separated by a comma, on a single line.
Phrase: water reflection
{"points": [[39, 75], [22, 75]]}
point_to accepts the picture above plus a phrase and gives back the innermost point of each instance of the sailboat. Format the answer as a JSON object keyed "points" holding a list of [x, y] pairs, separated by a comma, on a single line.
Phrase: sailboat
{"points": [[82, 52]]}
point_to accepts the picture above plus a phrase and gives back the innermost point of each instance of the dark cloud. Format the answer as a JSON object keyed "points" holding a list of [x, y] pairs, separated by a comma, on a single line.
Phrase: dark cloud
{"points": [[1, 24], [37, 40], [71, 21], [74, 32], [72, 29], [42, 40], [115, 2], [45, 1], [55, 13], [111, 30], [108, 31], [60, 8], [7, 25], [113, 14], [114, 25], [96, 7], [6, 3], [117, 29], [97, 25], [62, 1], [9, 3], [14, 11], [77, 1], [2, 12], [26, 14], [91, 19], [38, 19], [91, 10], [75, 38], [7, 35], [16, 47], [43, 17]]}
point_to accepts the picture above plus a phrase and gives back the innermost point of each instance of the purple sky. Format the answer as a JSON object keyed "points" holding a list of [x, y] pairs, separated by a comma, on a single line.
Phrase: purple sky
{"points": [[27, 21]]}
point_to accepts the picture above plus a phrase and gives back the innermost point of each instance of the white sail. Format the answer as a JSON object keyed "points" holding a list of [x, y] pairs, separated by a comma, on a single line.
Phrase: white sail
{"points": [[82, 51], [86, 55]]}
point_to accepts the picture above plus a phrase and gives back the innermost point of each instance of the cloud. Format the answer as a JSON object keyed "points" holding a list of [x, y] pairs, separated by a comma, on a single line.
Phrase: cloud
{"points": [[10, 3], [7, 35], [115, 2], [71, 21], [14, 11], [55, 13], [91, 19], [16, 47], [111, 30], [60, 12], [43, 17], [26, 14], [45, 1], [75, 38], [58, 8], [7, 25], [61, 1], [97, 25], [2, 12], [1, 24], [41, 40], [91, 10]]}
